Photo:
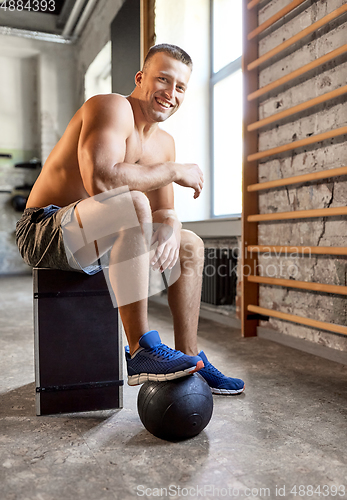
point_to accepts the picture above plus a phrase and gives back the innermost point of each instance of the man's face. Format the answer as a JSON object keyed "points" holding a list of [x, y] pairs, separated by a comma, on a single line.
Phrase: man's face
{"points": [[163, 85]]}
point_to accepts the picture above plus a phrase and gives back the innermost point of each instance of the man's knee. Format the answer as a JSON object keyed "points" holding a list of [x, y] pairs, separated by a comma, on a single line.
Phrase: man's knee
{"points": [[142, 206], [192, 246]]}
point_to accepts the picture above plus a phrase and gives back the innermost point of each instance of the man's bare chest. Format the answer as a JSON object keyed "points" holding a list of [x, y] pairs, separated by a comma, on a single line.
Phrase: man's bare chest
{"points": [[149, 152]]}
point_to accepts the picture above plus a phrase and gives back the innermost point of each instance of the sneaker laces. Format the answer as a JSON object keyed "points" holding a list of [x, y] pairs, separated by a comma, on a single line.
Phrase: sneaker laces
{"points": [[163, 351], [213, 370]]}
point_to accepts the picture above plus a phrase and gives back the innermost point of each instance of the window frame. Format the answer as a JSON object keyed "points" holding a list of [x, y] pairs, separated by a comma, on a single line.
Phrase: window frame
{"points": [[215, 78]]}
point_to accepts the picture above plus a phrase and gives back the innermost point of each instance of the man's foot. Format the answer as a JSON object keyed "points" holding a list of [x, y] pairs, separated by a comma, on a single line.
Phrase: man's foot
{"points": [[219, 383], [158, 362]]}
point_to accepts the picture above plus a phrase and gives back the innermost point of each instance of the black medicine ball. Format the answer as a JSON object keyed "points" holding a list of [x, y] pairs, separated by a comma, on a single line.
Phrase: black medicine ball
{"points": [[176, 409]]}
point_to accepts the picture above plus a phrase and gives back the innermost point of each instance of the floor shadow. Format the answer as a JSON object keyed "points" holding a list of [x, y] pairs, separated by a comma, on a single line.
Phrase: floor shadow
{"points": [[19, 402], [145, 438]]}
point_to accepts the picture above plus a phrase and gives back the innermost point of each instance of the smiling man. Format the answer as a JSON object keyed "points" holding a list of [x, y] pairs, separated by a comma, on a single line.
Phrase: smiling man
{"points": [[105, 184]]}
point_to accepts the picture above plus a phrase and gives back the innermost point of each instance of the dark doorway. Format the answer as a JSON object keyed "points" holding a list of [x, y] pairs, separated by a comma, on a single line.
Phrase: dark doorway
{"points": [[126, 47]]}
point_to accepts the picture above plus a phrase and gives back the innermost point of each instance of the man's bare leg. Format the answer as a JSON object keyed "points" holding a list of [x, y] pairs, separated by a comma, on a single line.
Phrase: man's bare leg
{"points": [[184, 295], [184, 300], [124, 226], [129, 245], [129, 281]]}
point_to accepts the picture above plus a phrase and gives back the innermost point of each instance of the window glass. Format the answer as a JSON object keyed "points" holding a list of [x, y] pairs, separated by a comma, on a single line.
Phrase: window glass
{"points": [[228, 145], [227, 31]]}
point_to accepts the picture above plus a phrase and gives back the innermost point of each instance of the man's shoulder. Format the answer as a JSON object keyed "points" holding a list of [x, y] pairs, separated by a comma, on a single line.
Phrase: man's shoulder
{"points": [[111, 109], [107, 98], [165, 136], [168, 141], [112, 102]]}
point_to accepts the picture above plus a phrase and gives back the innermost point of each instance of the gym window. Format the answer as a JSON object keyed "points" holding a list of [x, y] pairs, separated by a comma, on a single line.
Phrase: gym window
{"points": [[226, 107]]}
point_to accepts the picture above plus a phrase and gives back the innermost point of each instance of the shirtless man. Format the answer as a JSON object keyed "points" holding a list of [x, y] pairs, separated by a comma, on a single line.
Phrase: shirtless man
{"points": [[106, 181]]}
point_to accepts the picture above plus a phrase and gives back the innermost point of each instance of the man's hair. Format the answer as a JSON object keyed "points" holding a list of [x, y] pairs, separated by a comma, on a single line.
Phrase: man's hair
{"points": [[171, 50]]}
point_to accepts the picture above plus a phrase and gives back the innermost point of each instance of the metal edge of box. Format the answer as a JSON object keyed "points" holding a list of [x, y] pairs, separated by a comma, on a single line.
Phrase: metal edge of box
{"points": [[36, 343], [120, 358]]}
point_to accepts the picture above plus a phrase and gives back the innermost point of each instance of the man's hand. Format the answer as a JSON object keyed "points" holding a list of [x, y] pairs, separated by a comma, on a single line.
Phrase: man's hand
{"points": [[168, 237], [190, 175]]}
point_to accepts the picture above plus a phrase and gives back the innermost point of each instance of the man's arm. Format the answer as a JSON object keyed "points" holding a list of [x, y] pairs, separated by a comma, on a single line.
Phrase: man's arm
{"points": [[163, 212], [162, 199], [107, 124]]}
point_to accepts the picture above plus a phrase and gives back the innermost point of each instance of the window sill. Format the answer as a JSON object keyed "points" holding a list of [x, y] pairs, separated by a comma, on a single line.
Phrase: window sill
{"points": [[222, 227]]}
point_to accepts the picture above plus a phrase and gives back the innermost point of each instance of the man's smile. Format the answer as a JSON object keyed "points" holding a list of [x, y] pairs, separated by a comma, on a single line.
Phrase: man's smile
{"points": [[163, 103]]}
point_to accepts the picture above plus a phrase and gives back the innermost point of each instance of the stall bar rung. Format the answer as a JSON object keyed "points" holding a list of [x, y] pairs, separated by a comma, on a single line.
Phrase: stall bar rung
{"points": [[322, 325], [252, 4], [298, 108], [279, 250], [299, 214], [298, 72], [273, 19], [298, 144], [323, 174], [302, 285], [299, 36]]}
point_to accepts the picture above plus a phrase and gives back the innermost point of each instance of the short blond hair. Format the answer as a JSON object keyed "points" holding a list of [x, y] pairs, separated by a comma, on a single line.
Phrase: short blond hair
{"points": [[171, 50]]}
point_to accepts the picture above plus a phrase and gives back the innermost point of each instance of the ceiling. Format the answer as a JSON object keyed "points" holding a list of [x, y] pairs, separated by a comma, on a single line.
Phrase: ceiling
{"points": [[50, 8], [63, 19]]}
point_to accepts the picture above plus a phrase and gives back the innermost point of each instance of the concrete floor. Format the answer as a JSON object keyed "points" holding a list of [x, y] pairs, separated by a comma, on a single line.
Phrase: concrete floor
{"points": [[287, 429]]}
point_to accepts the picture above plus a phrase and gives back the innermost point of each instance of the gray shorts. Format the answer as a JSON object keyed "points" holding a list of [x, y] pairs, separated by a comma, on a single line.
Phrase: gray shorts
{"points": [[39, 237]]}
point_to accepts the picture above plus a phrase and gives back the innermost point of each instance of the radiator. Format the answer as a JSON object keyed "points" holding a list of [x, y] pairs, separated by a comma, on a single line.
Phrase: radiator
{"points": [[219, 277]]}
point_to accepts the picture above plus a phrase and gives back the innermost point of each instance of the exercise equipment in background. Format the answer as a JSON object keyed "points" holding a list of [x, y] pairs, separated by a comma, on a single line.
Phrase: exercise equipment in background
{"points": [[19, 194]]}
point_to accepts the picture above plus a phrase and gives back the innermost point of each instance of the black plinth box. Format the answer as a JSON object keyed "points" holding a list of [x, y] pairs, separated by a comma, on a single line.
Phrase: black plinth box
{"points": [[78, 365]]}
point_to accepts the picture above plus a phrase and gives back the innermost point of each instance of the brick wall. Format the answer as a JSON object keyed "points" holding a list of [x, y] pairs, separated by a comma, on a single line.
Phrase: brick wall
{"points": [[332, 153]]}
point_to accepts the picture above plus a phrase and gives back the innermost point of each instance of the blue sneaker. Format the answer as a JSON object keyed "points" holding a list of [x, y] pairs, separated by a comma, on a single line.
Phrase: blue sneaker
{"points": [[219, 383], [158, 362]]}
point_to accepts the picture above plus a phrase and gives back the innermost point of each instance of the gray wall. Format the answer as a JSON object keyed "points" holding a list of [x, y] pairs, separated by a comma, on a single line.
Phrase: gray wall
{"points": [[94, 37], [126, 53], [36, 108], [37, 101]]}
